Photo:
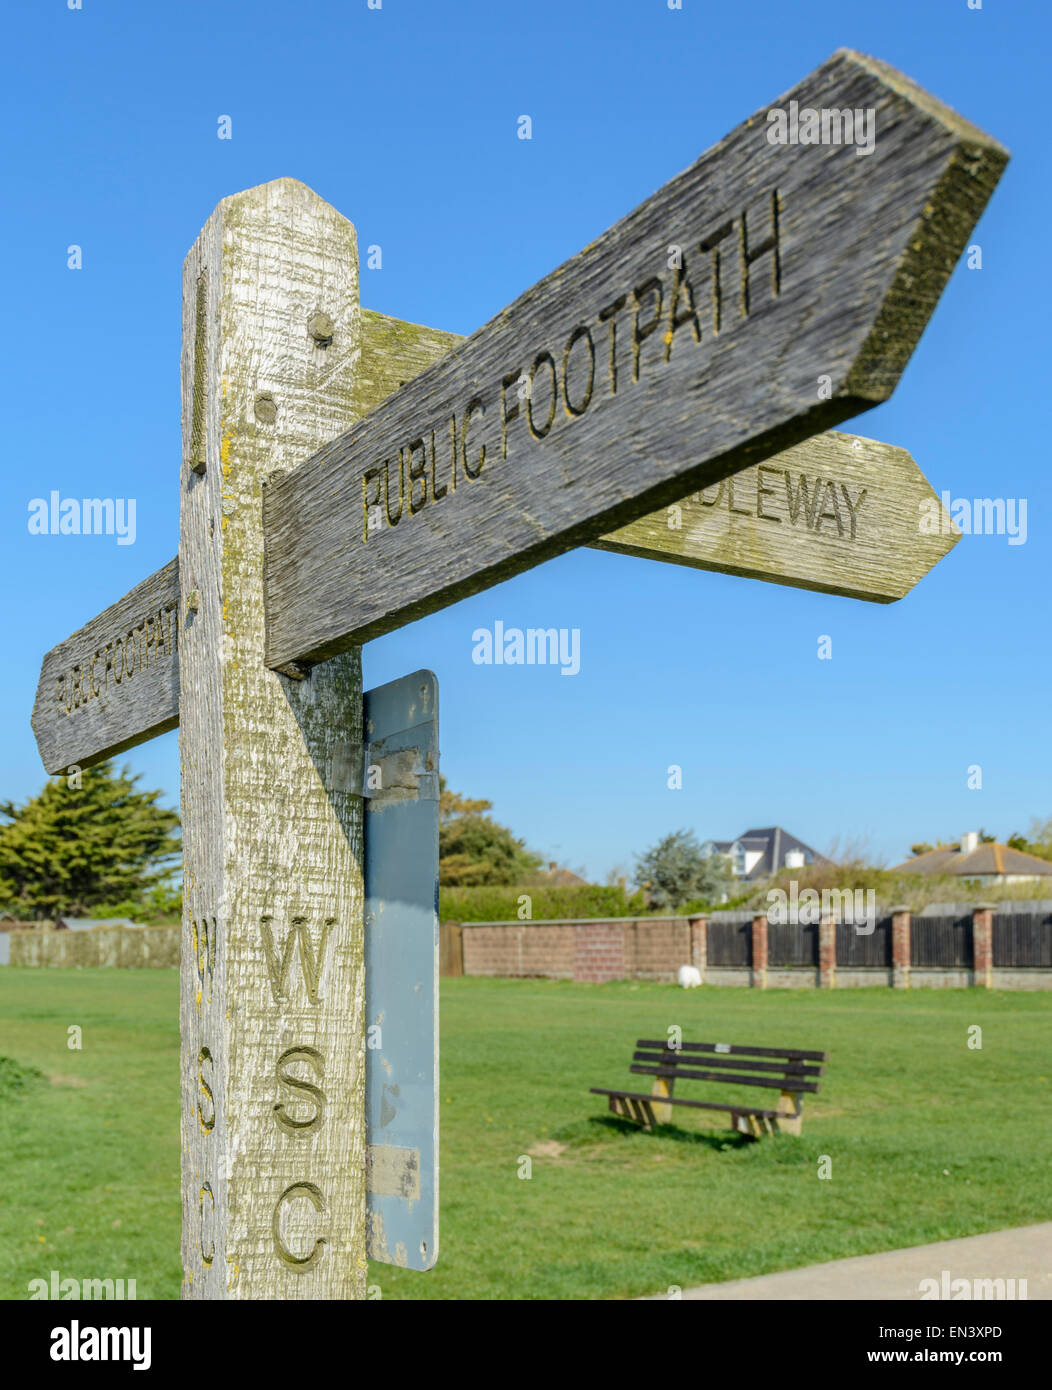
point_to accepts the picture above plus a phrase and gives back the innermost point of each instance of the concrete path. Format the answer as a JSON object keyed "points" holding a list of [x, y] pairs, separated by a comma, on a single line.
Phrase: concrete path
{"points": [[1022, 1253]]}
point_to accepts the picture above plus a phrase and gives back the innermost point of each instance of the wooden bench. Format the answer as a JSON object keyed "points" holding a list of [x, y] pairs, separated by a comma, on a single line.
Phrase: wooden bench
{"points": [[786, 1070]]}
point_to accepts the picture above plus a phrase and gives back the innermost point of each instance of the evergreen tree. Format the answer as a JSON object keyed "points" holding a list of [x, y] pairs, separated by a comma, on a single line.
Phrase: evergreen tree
{"points": [[85, 841]]}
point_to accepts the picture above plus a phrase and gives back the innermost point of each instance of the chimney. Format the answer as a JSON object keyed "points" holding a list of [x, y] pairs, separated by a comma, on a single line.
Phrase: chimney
{"points": [[969, 842]]}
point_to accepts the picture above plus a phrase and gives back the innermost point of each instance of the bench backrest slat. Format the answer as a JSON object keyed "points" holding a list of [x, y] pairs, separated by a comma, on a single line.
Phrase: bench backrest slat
{"points": [[782, 1083], [673, 1058], [661, 1045]]}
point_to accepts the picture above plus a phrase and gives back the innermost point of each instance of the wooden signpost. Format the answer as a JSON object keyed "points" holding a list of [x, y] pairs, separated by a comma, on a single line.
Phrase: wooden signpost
{"points": [[764, 295]]}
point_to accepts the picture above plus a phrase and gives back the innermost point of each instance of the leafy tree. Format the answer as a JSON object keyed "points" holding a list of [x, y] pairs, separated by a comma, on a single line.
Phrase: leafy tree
{"points": [[674, 871], [1038, 842], [160, 905], [473, 849], [922, 848], [83, 843]]}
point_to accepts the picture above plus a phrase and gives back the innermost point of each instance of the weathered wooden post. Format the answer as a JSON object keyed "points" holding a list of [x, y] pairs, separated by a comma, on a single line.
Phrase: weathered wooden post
{"points": [[273, 1127]]}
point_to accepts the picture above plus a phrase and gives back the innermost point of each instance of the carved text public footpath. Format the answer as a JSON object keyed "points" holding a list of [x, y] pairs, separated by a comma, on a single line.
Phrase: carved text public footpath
{"points": [[567, 378]]}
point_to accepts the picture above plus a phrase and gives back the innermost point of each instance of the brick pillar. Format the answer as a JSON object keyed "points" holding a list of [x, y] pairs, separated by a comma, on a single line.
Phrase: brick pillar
{"points": [[699, 944], [759, 952], [827, 952], [900, 947], [983, 945]]}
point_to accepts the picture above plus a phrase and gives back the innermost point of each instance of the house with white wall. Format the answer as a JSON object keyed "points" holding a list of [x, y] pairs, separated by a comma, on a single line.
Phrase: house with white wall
{"points": [[760, 853]]}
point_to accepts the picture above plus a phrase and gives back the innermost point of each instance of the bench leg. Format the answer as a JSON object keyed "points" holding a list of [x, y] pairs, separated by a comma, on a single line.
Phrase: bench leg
{"points": [[628, 1108], [661, 1088], [790, 1117], [640, 1112], [752, 1126]]}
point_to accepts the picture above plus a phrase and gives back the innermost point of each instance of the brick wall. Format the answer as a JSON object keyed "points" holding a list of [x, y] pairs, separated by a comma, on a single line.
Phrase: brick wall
{"points": [[599, 951], [617, 949]]}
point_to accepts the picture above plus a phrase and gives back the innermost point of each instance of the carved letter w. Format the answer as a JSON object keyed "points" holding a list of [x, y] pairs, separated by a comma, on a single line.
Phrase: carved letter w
{"points": [[311, 963]]}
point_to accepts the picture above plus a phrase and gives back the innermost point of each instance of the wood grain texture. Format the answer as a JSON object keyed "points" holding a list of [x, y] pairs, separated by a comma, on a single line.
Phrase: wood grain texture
{"points": [[393, 352], [807, 275], [840, 513], [114, 683], [272, 997]]}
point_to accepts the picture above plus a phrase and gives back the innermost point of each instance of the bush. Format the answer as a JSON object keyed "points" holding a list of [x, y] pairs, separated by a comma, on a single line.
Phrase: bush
{"points": [[548, 902]]}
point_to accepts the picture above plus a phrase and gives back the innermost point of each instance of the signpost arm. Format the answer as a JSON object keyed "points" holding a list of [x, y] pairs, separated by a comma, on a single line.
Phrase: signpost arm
{"points": [[272, 988]]}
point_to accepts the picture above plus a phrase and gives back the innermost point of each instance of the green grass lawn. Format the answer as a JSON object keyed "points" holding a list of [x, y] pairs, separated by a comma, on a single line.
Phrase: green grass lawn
{"points": [[928, 1138]]}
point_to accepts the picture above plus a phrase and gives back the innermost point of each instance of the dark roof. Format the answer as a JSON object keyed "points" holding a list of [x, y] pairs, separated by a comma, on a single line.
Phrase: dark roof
{"points": [[776, 844], [984, 860]]}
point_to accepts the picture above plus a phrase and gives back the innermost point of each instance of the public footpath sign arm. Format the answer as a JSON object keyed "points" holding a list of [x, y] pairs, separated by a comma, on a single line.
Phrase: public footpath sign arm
{"points": [[115, 683], [769, 292]]}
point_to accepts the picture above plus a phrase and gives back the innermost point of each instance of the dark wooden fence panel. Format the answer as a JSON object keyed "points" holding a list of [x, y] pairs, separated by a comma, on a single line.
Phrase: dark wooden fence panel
{"points": [[1022, 939], [855, 950], [730, 943], [792, 943], [451, 949], [941, 942]]}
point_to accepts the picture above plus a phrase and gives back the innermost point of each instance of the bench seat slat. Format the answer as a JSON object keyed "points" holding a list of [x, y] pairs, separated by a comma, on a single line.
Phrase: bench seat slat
{"points": [[736, 1050], [694, 1104], [783, 1083], [672, 1057]]}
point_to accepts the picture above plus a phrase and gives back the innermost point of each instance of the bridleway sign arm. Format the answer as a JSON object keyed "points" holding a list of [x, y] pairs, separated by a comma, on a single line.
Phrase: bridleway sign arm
{"points": [[839, 513]]}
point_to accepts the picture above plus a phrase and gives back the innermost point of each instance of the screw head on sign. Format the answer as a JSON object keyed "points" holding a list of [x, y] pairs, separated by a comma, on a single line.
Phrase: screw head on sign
{"points": [[321, 328]]}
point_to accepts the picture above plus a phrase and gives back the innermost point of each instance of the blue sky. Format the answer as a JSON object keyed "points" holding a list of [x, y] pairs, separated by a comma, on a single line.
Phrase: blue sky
{"points": [[405, 119]]}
